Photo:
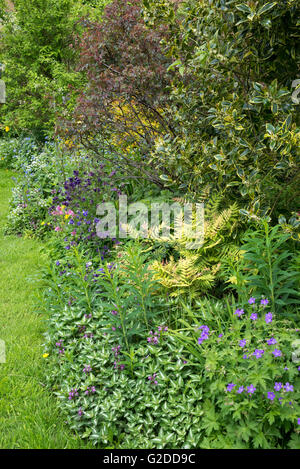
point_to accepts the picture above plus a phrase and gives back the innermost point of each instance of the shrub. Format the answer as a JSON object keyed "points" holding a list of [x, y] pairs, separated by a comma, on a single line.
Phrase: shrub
{"points": [[35, 40], [236, 125], [123, 106], [39, 168]]}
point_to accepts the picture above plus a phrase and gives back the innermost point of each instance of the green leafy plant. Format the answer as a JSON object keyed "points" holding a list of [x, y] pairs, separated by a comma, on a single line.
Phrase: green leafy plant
{"points": [[267, 267], [236, 126], [243, 369], [193, 271]]}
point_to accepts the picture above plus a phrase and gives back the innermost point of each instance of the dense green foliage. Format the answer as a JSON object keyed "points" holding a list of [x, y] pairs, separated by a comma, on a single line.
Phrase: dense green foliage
{"points": [[237, 128], [37, 42]]}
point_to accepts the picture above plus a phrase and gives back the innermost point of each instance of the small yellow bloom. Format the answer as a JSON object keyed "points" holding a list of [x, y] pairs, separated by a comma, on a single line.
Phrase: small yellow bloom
{"points": [[7, 129], [67, 216], [43, 223], [46, 355], [233, 280]]}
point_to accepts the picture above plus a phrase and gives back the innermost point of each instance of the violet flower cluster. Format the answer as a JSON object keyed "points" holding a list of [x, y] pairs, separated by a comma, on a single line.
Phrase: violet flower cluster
{"points": [[204, 334], [155, 337]]}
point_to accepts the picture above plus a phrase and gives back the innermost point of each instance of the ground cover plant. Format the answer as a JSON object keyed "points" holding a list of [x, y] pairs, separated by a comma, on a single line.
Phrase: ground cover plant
{"points": [[149, 339]]}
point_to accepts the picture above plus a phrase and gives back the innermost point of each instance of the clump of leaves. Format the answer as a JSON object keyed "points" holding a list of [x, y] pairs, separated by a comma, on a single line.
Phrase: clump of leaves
{"points": [[267, 267], [250, 378], [235, 121]]}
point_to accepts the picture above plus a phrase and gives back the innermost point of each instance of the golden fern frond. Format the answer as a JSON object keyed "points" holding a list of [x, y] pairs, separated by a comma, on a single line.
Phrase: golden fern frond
{"points": [[184, 274]]}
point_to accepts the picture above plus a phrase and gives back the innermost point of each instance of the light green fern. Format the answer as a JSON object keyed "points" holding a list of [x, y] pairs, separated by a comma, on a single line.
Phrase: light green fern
{"points": [[193, 271]]}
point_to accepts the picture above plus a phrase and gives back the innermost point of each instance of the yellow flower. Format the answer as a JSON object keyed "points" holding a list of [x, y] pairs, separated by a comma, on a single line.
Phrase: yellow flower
{"points": [[42, 223], [7, 129], [67, 216], [46, 355], [233, 280]]}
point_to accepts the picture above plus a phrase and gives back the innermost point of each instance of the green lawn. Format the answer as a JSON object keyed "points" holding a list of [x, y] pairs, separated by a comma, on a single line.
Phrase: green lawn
{"points": [[29, 417]]}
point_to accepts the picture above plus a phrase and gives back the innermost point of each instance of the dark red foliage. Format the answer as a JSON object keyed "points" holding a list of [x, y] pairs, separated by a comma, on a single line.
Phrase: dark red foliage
{"points": [[125, 96]]}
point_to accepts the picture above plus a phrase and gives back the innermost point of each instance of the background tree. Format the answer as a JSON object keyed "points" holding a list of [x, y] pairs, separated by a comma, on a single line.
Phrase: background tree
{"points": [[124, 106], [35, 47]]}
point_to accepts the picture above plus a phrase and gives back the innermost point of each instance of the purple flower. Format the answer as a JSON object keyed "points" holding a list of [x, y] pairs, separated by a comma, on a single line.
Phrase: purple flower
{"points": [[240, 390], [202, 338], [251, 389], [87, 369], [264, 302], [221, 335], [230, 387], [278, 386], [152, 379], [268, 318], [277, 353], [245, 357], [242, 343], [204, 335], [239, 312], [258, 353], [298, 421], [73, 393], [253, 316], [57, 263], [80, 412], [271, 395], [288, 387], [271, 341], [251, 300], [205, 329]]}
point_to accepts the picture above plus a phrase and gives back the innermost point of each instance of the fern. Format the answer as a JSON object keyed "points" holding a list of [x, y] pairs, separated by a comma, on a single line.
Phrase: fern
{"points": [[194, 271]]}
